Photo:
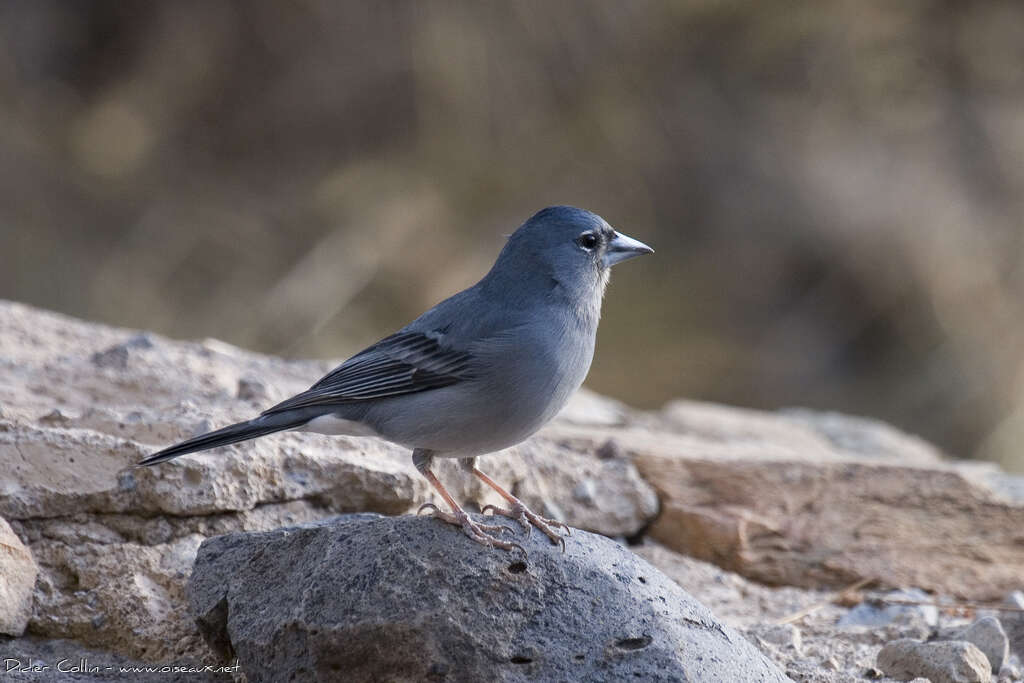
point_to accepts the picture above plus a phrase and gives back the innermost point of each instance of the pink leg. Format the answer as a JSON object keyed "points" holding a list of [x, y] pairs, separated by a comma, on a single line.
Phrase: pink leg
{"points": [[519, 512]]}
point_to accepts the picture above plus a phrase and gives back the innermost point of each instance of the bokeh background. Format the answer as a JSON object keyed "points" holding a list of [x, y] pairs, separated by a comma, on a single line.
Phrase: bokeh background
{"points": [[834, 188]]}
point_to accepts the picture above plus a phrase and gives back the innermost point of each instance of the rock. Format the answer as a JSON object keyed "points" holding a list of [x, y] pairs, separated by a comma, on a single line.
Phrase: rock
{"points": [[735, 600], [606, 495], [117, 582], [940, 662], [122, 597], [780, 635], [1013, 621], [808, 646], [49, 478], [593, 410], [1011, 674], [864, 437], [989, 637], [1011, 486], [790, 500], [251, 389], [17, 580], [878, 613], [340, 595]]}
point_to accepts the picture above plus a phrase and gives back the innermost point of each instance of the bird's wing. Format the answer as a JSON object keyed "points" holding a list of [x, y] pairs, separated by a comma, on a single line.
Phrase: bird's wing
{"points": [[404, 363]]}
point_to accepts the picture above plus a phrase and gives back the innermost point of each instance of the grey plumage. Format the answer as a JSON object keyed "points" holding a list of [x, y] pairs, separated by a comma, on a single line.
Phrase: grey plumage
{"points": [[480, 371]]}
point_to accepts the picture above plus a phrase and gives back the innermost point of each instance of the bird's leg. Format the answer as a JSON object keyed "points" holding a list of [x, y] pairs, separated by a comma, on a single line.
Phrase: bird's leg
{"points": [[422, 459], [519, 512]]}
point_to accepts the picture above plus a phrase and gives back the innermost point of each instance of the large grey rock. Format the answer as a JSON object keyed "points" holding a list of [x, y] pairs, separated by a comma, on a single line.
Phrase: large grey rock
{"points": [[364, 597]]}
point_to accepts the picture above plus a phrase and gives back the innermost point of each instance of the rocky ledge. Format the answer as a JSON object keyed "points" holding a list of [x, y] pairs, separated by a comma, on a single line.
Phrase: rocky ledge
{"points": [[821, 538]]}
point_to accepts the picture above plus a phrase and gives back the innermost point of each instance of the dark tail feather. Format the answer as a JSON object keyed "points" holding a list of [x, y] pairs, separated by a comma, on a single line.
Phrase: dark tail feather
{"points": [[242, 431]]}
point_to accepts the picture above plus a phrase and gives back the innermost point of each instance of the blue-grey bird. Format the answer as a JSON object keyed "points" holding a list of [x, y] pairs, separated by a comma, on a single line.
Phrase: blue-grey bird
{"points": [[479, 372]]}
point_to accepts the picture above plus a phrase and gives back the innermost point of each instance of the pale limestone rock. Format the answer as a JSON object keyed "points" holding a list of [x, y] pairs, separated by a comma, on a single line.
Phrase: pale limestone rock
{"points": [[17, 579], [776, 501], [940, 662]]}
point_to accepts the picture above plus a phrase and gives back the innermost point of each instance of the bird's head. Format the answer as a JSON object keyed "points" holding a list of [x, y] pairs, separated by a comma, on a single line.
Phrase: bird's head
{"points": [[570, 247]]}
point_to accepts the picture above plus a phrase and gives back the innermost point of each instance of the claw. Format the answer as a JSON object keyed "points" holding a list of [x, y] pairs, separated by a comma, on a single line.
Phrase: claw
{"points": [[511, 514], [560, 525], [523, 514], [530, 519], [475, 530]]}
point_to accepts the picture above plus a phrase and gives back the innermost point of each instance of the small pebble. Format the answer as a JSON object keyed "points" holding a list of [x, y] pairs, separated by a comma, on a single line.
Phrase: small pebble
{"points": [[114, 357], [585, 492], [1010, 674], [783, 635], [609, 450], [251, 389], [55, 417], [953, 661], [1013, 622], [988, 635]]}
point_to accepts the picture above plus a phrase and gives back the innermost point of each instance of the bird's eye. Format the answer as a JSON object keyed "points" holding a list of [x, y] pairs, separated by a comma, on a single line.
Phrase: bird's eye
{"points": [[587, 240]]}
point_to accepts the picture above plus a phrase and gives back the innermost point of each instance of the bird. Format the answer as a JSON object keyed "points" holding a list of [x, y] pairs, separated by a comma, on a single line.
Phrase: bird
{"points": [[477, 373]]}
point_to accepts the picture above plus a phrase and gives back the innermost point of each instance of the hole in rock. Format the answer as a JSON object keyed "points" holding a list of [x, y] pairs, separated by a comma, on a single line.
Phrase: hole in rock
{"points": [[517, 567], [634, 643]]}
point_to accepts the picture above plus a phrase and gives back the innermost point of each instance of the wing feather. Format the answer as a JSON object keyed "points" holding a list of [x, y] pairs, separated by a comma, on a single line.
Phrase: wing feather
{"points": [[404, 363]]}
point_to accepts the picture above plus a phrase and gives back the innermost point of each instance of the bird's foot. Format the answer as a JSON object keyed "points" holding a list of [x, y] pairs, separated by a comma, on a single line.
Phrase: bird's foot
{"points": [[529, 519], [475, 530]]}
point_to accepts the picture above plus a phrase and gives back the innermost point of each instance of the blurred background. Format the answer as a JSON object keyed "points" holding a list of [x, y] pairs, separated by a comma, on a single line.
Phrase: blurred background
{"points": [[834, 188]]}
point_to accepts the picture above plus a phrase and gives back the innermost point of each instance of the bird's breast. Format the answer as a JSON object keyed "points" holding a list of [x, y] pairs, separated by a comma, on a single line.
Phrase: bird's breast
{"points": [[519, 380], [536, 371]]}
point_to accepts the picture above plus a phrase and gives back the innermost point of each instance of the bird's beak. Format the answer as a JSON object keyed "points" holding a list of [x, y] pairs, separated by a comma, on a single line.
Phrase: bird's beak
{"points": [[623, 247]]}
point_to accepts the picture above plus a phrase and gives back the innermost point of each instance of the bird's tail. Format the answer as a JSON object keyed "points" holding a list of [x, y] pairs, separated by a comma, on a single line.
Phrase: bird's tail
{"points": [[242, 431]]}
